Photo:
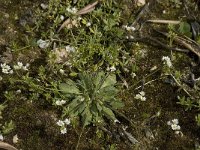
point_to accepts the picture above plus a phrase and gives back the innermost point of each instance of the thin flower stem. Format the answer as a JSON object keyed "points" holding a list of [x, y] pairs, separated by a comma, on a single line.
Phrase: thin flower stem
{"points": [[79, 137], [149, 82], [158, 69], [180, 85]]}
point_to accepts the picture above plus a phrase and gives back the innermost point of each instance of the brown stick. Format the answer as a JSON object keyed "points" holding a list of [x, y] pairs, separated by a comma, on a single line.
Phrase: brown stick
{"points": [[7, 146]]}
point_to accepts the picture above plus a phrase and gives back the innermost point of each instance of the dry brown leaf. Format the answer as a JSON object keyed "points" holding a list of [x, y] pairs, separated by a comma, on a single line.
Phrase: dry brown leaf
{"points": [[65, 24], [85, 10], [61, 55]]}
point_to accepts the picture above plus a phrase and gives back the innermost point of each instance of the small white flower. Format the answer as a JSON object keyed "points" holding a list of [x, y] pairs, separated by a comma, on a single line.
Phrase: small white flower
{"points": [[43, 6], [133, 75], [131, 37], [129, 28], [179, 133], [18, 91], [43, 44], [88, 24], [112, 68], [141, 96], [169, 123], [175, 121], [26, 67], [166, 60], [69, 48], [15, 139], [60, 123], [143, 99], [175, 127], [60, 102], [21, 66], [18, 66], [79, 18], [6, 69], [62, 17], [82, 99], [74, 10], [142, 93], [164, 12], [116, 121], [63, 131], [138, 96], [61, 71], [71, 10], [1, 137], [67, 121]]}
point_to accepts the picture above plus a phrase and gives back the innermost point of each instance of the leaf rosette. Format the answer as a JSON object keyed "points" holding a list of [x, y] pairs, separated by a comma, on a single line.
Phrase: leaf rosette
{"points": [[92, 97]]}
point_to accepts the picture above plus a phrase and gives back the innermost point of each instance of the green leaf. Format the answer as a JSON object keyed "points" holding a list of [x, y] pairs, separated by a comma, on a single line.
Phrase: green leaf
{"points": [[99, 107], [94, 110], [86, 117], [81, 107], [8, 127], [73, 74], [74, 103], [184, 28], [77, 110], [98, 78], [108, 93], [117, 104], [109, 81], [69, 87], [109, 113]]}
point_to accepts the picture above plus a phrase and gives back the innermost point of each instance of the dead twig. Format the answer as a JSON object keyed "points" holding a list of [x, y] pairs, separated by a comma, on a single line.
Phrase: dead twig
{"points": [[143, 12], [186, 42]]}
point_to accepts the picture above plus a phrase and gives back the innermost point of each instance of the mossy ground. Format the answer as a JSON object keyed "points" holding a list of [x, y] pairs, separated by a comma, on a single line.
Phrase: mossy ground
{"points": [[35, 124]]}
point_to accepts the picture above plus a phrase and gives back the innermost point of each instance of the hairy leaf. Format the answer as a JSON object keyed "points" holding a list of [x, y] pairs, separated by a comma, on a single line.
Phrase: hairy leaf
{"points": [[117, 104], [69, 87], [86, 117], [109, 81], [108, 113]]}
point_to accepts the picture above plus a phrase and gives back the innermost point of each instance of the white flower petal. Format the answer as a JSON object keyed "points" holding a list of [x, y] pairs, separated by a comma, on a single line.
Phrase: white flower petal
{"points": [[175, 121], [60, 123], [67, 121], [15, 139], [63, 131], [43, 44], [142, 93]]}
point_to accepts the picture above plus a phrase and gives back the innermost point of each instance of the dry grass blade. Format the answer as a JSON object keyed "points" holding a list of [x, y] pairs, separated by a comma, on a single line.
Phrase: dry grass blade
{"points": [[85, 10], [6, 146], [164, 21]]}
